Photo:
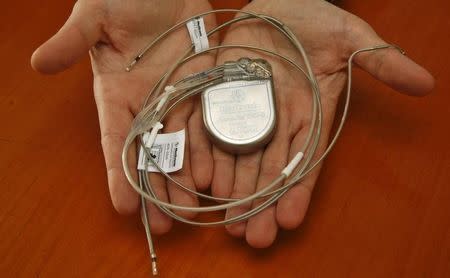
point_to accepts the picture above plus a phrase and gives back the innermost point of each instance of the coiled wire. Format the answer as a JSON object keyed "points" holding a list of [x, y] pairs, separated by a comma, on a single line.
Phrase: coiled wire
{"points": [[154, 111]]}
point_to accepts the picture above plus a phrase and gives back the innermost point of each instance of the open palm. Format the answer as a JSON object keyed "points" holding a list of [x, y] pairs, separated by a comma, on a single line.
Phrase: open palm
{"points": [[329, 36], [114, 31]]}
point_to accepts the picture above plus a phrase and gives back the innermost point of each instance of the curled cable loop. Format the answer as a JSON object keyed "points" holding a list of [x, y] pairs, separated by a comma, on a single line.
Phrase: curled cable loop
{"points": [[163, 98]]}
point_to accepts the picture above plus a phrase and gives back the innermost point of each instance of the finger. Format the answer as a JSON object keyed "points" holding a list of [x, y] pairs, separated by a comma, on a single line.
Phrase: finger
{"points": [[177, 195], [262, 228], [389, 65], [80, 32], [201, 150], [115, 120], [223, 173], [246, 176], [160, 223], [292, 206]]}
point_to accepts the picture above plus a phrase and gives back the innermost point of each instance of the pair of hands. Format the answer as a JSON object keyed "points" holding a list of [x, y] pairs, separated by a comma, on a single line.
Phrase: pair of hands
{"points": [[114, 31]]}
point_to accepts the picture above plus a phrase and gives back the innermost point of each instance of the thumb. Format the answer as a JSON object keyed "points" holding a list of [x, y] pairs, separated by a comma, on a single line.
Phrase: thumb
{"points": [[80, 32], [389, 65]]}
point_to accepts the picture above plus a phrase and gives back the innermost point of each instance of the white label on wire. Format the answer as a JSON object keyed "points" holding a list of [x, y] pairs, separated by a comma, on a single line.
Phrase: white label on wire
{"points": [[197, 32], [167, 151]]}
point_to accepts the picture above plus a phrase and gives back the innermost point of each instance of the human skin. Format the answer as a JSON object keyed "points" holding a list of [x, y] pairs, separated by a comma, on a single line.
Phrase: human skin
{"points": [[329, 35], [114, 31]]}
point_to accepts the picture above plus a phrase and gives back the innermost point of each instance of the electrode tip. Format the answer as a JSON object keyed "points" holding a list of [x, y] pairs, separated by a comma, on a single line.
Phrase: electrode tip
{"points": [[128, 69], [154, 268]]}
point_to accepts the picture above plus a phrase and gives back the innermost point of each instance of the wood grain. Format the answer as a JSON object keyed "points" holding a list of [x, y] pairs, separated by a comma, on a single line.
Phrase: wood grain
{"points": [[381, 207]]}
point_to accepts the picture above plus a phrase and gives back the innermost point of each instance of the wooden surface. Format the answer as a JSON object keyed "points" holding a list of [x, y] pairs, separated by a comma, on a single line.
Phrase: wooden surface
{"points": [[381, 207]]}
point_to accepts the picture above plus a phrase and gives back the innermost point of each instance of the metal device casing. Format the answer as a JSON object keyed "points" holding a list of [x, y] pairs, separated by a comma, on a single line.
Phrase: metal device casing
{"points": [[240, 115]]}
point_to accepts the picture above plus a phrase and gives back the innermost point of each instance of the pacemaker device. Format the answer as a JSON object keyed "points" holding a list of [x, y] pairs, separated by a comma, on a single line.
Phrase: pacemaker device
{"points": [[240, 113]]}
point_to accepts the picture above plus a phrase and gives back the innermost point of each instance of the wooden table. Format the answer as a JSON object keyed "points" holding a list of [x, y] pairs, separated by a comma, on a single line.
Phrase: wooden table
{"points": [[381, 207]]}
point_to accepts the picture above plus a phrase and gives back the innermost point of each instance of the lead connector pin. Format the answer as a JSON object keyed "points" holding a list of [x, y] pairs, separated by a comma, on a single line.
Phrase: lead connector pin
{"points": [[131, 65], [154, 267]]}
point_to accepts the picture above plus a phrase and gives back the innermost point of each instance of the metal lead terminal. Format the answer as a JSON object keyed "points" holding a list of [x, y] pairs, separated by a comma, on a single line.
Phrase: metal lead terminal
{"points": [[146, 223], [154, 267], [131, 65]]}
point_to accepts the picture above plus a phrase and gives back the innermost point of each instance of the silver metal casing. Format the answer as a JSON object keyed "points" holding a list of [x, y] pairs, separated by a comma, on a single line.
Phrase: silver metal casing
{"points": [[240, 116]]}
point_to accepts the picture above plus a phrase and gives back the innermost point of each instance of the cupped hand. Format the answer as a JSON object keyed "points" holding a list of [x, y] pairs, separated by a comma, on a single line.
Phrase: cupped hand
{"points": [[114, 32], [329, 36]]}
